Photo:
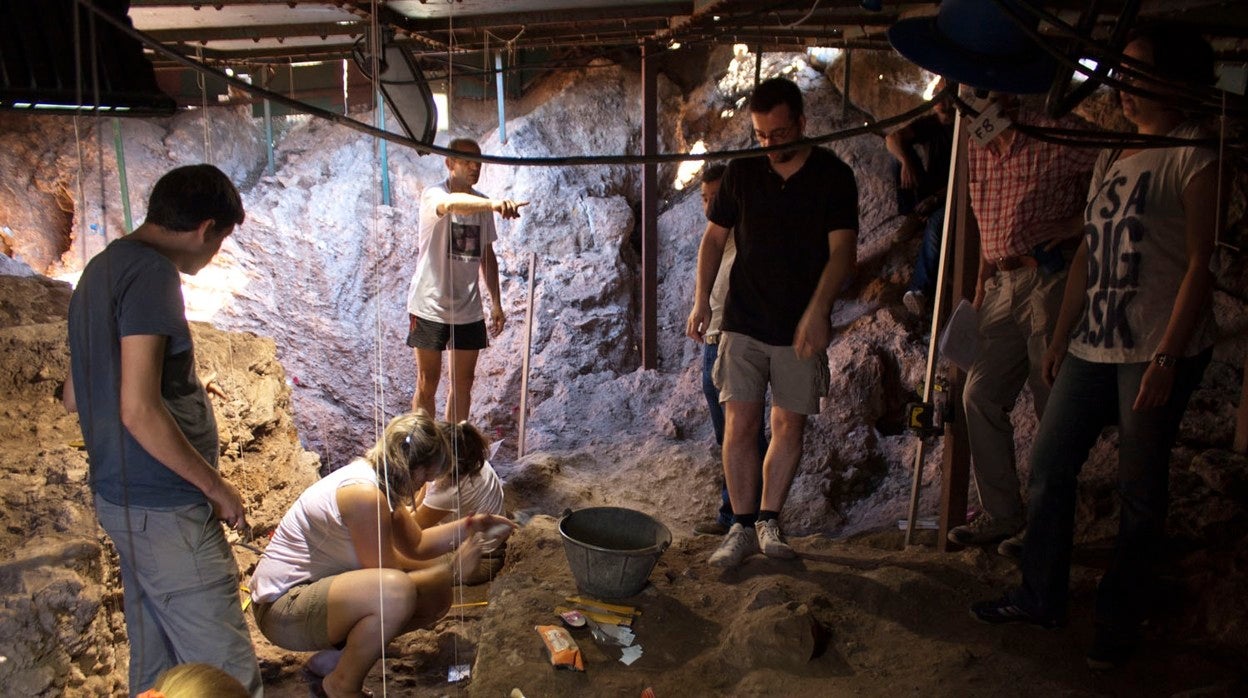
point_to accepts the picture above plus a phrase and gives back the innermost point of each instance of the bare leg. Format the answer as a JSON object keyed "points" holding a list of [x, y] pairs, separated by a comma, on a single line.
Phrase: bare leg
{"points": [[428, 373], [433, 597], [459, 396], [783, 454], [742, 469], [366, 608]]}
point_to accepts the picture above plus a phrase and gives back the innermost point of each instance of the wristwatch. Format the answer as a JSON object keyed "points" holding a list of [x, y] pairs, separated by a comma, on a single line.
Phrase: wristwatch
{"points": [[1165, 360]]}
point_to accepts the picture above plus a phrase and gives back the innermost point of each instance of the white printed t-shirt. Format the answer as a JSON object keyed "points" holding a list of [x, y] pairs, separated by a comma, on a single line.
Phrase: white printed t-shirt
{"points": [[1135, 229], [446, 286]]}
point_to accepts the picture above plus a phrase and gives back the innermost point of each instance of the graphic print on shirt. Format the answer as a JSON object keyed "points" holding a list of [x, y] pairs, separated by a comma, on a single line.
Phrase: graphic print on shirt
{"points": [[465, 241], [1112, 231]]}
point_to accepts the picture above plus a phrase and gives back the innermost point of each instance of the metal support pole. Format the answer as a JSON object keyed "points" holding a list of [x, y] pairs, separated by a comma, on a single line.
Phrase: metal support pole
{"points": [[649, 208], [268, 127], [845, 76], [956, 458], [498, 87], [758, 64], [384, 152], [120, 148], [521, 447]]}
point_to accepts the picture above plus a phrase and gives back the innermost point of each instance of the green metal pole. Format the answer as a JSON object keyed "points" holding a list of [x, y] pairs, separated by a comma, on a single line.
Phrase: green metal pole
{"points": [[268, 134], [498, 87], [385, 161], [268, 126], [120, 149]]}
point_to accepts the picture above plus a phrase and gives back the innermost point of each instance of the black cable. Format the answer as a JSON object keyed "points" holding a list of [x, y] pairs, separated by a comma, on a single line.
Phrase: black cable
{"points": [[1208, 98], [565, 161], [1088, 138]]}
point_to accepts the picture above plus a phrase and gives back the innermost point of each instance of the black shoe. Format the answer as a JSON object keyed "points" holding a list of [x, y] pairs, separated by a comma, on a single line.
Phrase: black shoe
{"points": [[1003, 610], [1111, 648]]}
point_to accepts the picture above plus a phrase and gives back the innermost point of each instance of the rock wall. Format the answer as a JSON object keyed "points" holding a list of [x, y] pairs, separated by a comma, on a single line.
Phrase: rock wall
{"points": [[60, 591], [321, 265]]}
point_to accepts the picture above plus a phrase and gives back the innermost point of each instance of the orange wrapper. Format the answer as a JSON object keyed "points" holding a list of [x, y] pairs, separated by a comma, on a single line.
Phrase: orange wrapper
{"points": [[564, 652]]}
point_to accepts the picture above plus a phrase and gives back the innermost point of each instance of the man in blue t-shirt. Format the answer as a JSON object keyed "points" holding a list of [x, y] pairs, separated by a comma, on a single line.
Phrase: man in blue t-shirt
{"points": [[151, 435], [793, 214]]}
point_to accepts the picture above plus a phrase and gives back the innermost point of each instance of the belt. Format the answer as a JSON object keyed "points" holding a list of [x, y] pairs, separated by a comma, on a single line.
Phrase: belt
{"points": [[1013, 263], [1027, 261], [712, 338]]}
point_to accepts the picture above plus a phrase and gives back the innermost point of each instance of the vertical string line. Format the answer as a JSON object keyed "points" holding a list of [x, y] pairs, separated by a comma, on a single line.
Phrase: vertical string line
{"points": [[379, 394]]}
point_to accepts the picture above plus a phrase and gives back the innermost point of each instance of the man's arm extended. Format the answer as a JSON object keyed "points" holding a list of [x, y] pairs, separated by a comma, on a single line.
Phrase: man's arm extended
{"points": [[459, 202], [145, 417], [814, 330]]}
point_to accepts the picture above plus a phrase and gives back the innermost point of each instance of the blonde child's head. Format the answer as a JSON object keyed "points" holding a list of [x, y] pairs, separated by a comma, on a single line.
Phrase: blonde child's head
{"points": [[195, 681]]}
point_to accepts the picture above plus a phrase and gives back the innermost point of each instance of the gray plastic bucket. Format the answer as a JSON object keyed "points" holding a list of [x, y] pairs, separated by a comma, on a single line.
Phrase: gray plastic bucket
{"points": [[612, 550]]}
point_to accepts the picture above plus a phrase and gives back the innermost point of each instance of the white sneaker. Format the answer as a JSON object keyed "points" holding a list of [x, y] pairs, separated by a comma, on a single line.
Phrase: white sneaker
{"points": [[738, 544], [771, 542], [915, 302]]}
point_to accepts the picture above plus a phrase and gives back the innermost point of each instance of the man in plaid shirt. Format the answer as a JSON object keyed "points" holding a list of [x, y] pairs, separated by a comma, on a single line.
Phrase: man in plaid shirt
{"points": [[1028, 197]]}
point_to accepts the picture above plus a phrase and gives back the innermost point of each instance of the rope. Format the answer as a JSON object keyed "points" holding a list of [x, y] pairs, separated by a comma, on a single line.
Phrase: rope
{"points": [[457, 591], [379, 403], [802, 20], [203, 98]]}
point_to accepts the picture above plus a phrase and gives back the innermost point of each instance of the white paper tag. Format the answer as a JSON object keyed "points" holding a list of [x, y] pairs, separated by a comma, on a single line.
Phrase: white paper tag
{"points": [[990, 123]]}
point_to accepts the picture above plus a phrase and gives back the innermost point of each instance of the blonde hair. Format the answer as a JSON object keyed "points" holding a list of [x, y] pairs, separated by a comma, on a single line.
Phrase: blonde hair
{"points": [[196, 681], [410, 442]]}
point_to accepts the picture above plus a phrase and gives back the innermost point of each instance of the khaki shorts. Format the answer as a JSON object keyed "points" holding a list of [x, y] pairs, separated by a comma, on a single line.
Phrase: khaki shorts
{"points": [[746, 366], [299, 619]]}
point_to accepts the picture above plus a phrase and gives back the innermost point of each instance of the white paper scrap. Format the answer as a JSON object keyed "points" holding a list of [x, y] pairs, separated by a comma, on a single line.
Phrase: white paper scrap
{"points": [[630, 654], [623, 636], [459, 672]]}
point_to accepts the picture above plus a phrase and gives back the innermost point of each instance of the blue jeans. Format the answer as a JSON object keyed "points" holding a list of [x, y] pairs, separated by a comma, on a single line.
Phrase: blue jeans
{"points": [[927, 264], [1085, 398], [710, 352]]}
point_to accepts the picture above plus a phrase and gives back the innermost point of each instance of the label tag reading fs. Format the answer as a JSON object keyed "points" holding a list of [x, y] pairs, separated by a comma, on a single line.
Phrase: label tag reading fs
{"points": [[990, 123]]}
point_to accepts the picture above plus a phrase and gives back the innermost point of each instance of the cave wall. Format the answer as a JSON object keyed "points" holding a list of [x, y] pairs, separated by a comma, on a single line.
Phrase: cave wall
{"points": [[319, 274], [321, 266]]}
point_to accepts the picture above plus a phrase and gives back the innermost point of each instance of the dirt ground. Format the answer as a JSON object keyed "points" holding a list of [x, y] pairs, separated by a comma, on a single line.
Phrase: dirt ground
{"points": [[853, 617]]}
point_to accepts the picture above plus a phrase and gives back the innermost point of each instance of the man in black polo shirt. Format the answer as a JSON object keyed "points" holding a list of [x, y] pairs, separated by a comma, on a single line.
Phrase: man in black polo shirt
{"points": [[793, 214]]}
